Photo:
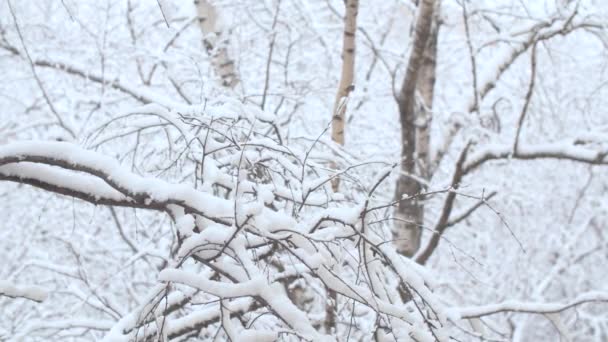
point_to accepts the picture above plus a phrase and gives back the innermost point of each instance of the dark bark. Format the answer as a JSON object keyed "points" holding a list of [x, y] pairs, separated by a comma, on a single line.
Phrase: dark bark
{"points": [[409, 214]]}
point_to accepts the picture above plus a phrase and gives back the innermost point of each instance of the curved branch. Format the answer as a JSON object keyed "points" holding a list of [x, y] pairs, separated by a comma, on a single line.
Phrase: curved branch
{"points": [[147, 191], [53, 179]]}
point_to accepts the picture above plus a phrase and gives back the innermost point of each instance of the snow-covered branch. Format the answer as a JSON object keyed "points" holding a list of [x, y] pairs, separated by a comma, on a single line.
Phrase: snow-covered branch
{"points": [[35, 293], [266, 229], [186, 209], [146, 191], [556, 150], [527, 307], [558, 24], [79, 185]]}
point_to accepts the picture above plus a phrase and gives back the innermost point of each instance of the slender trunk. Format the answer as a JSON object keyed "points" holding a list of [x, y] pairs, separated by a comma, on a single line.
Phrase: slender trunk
{"points": [[213, 43], [346, 77], [415, 122], [339, 118]]}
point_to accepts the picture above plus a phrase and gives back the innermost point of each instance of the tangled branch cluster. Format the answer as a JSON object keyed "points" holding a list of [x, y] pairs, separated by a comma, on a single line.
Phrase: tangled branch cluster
{"points": [[264, 248]]}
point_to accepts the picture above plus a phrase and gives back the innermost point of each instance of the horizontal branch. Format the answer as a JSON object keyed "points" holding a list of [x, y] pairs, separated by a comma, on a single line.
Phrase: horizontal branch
{"points": [[74, 323], [34, 293], [558, 150], [526, 307]]}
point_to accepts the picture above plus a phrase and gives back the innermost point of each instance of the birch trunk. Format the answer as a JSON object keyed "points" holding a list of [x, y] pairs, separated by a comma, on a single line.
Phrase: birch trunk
{"points": [[214, 45], [346, 78], [339, 118]]}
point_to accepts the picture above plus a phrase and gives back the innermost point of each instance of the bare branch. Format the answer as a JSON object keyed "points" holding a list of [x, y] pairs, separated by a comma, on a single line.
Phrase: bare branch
{"points": [[448, 205], [528, 97]]}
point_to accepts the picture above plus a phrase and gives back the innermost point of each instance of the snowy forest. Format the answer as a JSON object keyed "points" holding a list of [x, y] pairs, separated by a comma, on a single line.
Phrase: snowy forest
{"points": [[318, 170]]}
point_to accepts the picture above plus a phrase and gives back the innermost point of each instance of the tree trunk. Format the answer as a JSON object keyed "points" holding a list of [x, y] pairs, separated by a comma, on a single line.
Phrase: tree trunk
{"points": [[346, 78], [339, 118], [415, 118], [213, 43], [424, 116]]}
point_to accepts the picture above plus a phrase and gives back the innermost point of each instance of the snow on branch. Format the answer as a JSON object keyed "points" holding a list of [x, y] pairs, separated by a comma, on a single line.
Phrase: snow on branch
{"points": [[75, 323], [556, 150], [144, 94], [55, 180], [256, 245], [558, 24], [259, 227], [259, 224], [520, 40], [271, 294], [30, 292], [526, 307], [145, 191]]}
